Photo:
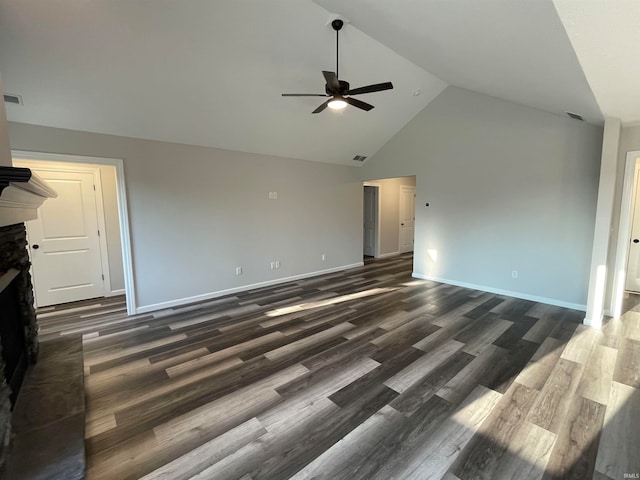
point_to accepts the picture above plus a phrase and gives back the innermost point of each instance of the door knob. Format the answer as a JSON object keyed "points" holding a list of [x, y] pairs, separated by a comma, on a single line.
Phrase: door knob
{"points": [[36, 246], [635, 240]]}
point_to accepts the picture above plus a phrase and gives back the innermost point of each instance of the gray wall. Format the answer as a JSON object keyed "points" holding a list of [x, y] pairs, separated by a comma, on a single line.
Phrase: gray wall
{"points": [[196, 213], [5, 150], [112, 225], [510, 188], [389, 199]]}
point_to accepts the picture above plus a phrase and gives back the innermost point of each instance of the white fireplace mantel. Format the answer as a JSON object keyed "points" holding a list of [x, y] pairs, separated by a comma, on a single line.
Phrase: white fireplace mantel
{"points": [[21, 194]]}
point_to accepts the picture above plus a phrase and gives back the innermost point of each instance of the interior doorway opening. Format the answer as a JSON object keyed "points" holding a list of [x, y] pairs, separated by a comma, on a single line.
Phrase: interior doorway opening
{"points": [[388, 216], [79, 245], [370, 222]]}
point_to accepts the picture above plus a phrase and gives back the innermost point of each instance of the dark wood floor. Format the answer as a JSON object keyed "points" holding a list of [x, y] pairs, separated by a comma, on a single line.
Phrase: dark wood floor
{"points": [[363, 374]]}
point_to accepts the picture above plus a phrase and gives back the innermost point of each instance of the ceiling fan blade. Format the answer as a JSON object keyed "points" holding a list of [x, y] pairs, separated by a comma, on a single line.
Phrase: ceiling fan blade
{"points": [[305, 95], [332, 81], [322, 107], [358, 103], [378, 87]]}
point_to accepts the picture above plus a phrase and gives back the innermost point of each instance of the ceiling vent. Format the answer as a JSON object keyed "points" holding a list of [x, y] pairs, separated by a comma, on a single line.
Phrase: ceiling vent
{"points": [[10, 98], [359, 158], [575, 116]]}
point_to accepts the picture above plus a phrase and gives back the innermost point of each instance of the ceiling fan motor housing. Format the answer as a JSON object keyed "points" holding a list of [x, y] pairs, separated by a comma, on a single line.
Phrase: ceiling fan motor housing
{"points": [[344, 88]]}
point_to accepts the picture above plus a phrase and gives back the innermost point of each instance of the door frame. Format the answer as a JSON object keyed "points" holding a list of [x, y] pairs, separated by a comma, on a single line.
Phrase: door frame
{"points": [[633, 214], [376, 248], [123, 216], [624, 229], [97, 182], [411, 187]]}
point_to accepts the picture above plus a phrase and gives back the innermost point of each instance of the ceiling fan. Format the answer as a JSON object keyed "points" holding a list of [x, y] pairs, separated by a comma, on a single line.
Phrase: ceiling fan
{"points": [[339, 91]]}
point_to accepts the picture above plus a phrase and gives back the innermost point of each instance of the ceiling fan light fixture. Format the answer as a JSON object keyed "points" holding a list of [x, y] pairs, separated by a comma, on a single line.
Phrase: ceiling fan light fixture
{"points": [[337, 104], [339, 92]]}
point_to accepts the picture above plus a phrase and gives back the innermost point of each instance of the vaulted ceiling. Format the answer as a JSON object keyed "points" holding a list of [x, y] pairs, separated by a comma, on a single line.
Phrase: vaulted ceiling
{"points": [[211, 73]]}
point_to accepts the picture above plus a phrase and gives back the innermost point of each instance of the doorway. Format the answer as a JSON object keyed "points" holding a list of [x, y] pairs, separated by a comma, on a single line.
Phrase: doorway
{"points": [[370, 223], [67, 241], [388, 216], [79, 245], [632, 280], [625, 240]]}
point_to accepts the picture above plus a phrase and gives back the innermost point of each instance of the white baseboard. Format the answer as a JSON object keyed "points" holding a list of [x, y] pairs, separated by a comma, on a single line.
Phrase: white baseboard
{"points": [[509, 293], [593, 322], [220, 293], [114, 293], [385, 255]]}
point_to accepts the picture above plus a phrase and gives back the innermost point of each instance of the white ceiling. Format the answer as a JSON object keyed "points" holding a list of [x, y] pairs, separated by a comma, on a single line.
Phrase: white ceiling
{"points": [[517, 50], [203, 72], [211, 73], [606, 38]]}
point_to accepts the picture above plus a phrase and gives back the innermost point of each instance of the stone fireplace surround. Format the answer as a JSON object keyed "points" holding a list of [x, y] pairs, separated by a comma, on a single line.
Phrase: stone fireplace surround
{"points": [[21, 193], [14, 256]]}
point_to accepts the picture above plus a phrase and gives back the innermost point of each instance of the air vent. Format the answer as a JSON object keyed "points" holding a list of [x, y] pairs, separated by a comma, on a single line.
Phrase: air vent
{"points": [[10, 98], [359, 158], [575, 116]]}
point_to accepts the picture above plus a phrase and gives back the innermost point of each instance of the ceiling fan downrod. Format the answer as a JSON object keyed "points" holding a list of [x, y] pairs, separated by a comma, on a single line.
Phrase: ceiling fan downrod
{"points": [[337, 25]]}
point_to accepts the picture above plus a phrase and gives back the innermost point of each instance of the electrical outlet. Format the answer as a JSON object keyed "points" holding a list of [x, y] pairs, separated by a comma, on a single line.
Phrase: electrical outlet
{"points": [[324, 257], [238, 270], [514, 273], [277, 263], [273, 195], [273, 265]]}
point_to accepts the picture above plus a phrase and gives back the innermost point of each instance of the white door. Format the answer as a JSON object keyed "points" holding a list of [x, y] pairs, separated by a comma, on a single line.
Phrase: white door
{"points": [[370, 220], [633, 266], [407, 217], [65, 243]]}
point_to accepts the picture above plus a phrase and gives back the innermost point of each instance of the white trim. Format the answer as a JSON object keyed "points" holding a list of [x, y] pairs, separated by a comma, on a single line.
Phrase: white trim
{"points": [[19, 201], [123, 215], [509, 293], [391, 254], [102, 227], [115, 293], [624, 228], [220, 293], [413, 189], [376, 250]]}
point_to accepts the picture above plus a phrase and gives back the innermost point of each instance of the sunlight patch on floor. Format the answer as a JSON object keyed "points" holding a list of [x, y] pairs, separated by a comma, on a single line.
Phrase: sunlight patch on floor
{"points": [[330, 301]]}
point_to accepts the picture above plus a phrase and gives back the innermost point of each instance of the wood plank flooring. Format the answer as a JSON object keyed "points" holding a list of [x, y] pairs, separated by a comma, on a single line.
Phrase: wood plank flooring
{"points": [[362, 374]]}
